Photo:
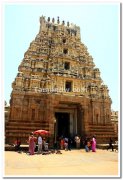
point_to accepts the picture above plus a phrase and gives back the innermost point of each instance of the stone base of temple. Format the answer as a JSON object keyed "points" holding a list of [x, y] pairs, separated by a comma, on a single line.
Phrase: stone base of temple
{"points": [[61, 115]]}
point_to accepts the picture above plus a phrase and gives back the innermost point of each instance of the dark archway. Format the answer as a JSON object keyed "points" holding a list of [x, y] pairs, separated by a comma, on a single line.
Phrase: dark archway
{"points": [[63, 124]]}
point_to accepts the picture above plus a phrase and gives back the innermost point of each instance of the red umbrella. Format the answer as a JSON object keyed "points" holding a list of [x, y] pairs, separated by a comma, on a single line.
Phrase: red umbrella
{"points": [[41, 131]]}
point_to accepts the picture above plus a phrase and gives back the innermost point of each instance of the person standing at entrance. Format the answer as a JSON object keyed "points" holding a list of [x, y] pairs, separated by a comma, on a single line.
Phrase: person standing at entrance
{"points": [[93, 146], [39, 144], [77, 141], [62, 143], [86, 145], [31, 144], [66, 143], [110, 145], [69, 143]]}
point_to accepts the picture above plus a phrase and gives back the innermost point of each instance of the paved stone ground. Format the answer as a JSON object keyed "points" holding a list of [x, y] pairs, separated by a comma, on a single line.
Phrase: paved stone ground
{"points": [[69, 163]]}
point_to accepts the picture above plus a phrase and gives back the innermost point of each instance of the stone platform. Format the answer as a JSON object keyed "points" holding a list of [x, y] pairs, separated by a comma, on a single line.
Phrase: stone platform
{"points": [[24, 147]]}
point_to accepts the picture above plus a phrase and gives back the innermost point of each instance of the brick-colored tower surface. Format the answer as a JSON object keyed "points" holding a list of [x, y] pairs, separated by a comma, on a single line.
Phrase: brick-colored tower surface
{"points": [[58, 88]]}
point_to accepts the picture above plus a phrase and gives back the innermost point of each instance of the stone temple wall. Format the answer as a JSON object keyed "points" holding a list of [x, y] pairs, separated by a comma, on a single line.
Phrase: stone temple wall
{"points": [[57, 74]]}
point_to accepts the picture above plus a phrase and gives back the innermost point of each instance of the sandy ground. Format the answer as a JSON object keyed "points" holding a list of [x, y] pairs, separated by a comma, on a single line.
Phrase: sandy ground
{"points": [[69, 163]]}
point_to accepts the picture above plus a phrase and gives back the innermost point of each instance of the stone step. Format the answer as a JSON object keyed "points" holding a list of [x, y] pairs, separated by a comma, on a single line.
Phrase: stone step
{"points": [[102, 130], [20, 130], [24, 122], [26, 134], [105, 138], [105, 146], [101, 133], [105, 135], [23, 127], [101, 126], [99, 129], [106, 130], [25, 147]]}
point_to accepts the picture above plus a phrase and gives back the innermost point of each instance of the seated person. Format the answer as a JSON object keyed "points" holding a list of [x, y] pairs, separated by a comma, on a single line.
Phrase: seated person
{"points": [[17, 144]]}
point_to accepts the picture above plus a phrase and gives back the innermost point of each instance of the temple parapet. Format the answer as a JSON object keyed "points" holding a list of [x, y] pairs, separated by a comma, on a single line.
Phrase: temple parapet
{"points": [[70, 28]]}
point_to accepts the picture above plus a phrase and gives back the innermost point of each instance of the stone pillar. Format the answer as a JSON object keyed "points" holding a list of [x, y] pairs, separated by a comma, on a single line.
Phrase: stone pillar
{"points": [[75, 122], [85, 119], [71, 123], [52, 120]]}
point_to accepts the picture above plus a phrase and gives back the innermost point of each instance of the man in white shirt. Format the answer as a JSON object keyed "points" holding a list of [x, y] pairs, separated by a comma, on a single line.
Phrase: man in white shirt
{"points": [[39, 144], [77, 140]]}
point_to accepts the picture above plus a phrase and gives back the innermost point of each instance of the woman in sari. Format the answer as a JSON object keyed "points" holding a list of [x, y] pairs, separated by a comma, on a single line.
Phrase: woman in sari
{"points": [[31, 144], [93, 146]]}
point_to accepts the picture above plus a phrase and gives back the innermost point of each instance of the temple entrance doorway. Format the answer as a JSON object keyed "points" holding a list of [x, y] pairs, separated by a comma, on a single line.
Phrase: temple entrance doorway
{"points": [[62, 124]]}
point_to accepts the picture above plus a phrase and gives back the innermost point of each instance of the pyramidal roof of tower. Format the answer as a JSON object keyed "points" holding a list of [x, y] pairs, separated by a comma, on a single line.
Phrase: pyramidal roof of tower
{"points": [[56, 39], [57, 55]]}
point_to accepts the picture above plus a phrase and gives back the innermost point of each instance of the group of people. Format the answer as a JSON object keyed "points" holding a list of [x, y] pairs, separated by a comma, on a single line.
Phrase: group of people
{"points": [[90, 144], [63, 143], [66, 142], [39, 141]]}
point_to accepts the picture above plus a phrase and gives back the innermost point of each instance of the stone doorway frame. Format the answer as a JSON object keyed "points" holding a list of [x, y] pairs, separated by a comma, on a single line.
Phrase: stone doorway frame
{"points": [[73, 119]]}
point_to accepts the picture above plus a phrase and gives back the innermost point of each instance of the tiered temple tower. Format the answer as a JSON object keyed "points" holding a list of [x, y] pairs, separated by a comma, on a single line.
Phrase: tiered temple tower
{"points": [[58, 88]]}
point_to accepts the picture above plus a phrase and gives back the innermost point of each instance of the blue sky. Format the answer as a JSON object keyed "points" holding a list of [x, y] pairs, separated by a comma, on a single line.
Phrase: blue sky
{"points": [[100, 29]]}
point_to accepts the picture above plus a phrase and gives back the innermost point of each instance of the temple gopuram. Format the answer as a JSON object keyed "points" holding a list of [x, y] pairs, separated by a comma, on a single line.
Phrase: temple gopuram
{"points": [[58, 88]]}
